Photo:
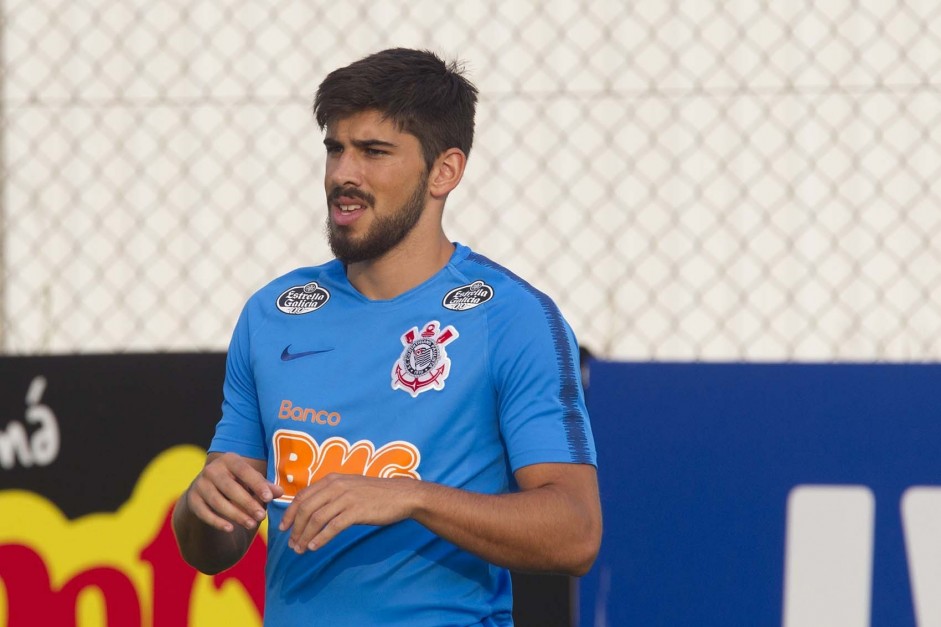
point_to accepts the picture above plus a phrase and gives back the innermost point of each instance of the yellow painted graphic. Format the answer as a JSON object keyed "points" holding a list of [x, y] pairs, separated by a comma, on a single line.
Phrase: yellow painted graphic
{"points": [[119, 569]]}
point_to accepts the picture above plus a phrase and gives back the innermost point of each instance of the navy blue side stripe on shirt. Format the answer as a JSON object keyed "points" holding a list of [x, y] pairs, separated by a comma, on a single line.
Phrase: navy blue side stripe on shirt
{"points": [[573, 420]]}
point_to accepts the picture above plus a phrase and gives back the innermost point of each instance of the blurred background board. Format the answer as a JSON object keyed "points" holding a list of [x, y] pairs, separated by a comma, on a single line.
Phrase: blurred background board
{"points": [[698, 468], [94, 449]]}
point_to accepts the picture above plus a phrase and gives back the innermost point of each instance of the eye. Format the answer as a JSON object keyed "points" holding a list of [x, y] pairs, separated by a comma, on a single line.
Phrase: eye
{"points": [[334, 149], [375, 152]]}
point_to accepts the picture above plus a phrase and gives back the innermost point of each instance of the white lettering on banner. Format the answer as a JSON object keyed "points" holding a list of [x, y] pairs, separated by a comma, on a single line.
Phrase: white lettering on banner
{"points": [[921, 522], [828, 559], [42, 447]]}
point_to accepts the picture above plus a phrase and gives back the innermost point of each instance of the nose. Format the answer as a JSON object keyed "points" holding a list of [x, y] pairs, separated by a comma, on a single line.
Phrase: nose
{"points": [[344, 169]]}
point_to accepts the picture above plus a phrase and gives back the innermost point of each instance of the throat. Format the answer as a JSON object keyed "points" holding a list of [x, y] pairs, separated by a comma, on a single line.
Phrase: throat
{"points": [[398, 271]]}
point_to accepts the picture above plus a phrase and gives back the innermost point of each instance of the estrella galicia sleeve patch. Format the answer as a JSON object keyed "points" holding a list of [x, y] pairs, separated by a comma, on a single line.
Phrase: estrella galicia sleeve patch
{"points": [[302, 299], [467, 296]]}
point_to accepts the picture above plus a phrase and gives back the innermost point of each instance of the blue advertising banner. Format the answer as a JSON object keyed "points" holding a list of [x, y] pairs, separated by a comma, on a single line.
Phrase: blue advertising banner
{"points": [[770, 494]]}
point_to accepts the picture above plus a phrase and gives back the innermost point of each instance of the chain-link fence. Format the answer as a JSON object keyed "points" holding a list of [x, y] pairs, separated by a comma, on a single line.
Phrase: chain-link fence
{"points": [[689, 180]]}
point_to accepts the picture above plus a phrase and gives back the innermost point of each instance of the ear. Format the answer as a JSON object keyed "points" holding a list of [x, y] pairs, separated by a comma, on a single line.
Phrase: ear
{"points": [[446, 172]]}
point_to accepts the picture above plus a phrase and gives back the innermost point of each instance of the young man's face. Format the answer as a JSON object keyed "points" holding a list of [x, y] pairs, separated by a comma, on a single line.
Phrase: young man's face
{"points": [[376, 185]]}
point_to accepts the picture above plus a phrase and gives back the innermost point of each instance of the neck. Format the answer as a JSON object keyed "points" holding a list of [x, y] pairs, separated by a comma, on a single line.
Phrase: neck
{"points": [[412, 262]]}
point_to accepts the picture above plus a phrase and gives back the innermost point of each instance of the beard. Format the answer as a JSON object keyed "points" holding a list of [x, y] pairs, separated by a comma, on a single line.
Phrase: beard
{"points": [[383, 234]]}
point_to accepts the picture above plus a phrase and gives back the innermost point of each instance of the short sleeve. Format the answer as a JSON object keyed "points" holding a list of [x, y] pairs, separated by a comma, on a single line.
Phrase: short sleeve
{"points": [[543, 417], [240, 429]]}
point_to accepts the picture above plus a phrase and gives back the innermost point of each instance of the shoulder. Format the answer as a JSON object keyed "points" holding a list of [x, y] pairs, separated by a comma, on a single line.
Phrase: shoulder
{"points": [[282, 301], [508, 294], [301, 290]]}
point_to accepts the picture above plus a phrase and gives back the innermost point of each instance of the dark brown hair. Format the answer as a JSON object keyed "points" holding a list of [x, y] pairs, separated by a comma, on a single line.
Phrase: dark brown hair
{"points": [[416, 90]]}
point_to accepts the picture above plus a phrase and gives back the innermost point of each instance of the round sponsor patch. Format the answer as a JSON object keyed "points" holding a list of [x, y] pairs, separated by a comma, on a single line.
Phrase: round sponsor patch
{"points": [[302, 299], [467, 296]]}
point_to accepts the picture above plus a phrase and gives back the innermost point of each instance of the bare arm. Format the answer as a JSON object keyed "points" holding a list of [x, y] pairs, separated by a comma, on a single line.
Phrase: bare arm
{"points": [[553, 524], [217, 517]]}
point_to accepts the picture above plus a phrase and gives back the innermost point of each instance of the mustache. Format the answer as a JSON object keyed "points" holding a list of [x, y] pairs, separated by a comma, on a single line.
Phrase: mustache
{"points": [[350, 192]]}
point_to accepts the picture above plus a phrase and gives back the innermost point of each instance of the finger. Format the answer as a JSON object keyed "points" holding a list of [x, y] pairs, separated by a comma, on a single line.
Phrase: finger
{"points": [[305, 507], [329, 531], [287, 518], [277, 491], [230, 500], [290, 514], [307, 528], [198, 506], [253, 481], [309, 502]]}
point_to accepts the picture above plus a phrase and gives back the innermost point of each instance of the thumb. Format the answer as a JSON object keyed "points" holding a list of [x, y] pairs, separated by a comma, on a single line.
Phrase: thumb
{"points": [[276, 490]]}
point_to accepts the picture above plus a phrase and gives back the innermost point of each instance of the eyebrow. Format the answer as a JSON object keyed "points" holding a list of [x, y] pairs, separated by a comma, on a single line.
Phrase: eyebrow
{"points": [[360, 143]]}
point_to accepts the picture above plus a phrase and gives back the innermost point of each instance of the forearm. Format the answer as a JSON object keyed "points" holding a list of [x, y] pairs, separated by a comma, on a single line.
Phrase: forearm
{"points": [[204, 547], [553, 524], [217, 517], [544, 529]]}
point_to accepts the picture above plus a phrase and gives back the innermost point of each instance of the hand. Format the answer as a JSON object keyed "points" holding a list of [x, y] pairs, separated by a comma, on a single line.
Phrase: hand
{"points": [[328, 506], [231, 489]]}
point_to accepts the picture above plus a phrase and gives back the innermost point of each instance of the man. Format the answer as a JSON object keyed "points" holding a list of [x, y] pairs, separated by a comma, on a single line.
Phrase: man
{"points": [[410, 414]]}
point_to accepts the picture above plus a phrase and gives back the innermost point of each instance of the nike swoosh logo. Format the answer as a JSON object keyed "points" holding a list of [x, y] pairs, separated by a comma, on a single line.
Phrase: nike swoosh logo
{"points": [[287, 355]]}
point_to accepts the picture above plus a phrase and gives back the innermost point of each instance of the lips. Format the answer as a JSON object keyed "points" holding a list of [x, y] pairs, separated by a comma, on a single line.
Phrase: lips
{"points": [[345, 210]]}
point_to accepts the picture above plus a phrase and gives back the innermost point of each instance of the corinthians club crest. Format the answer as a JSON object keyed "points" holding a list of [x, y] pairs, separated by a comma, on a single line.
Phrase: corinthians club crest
{"points": [[424, 364]]}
